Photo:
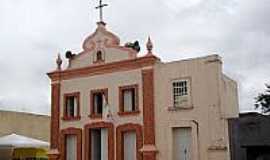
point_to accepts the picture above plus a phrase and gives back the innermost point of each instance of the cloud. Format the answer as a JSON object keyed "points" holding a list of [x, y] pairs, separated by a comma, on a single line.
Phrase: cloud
{"points": [[33, 32]]}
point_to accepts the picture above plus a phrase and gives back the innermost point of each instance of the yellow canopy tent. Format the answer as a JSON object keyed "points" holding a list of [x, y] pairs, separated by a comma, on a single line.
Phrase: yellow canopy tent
{"points": [[25, 147], [23, 153]]}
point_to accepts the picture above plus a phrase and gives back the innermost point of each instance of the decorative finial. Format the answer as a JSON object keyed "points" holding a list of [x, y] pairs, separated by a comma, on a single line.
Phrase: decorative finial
{"points": [[59, 62], [149, 46], [100, 7]]}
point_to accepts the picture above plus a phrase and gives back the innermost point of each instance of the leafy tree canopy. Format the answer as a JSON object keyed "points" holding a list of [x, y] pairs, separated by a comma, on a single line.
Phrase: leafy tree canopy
{"points": [[263, 100]]}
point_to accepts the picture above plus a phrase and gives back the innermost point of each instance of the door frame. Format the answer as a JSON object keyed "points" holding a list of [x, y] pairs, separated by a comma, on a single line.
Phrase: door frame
{"points": [[120, 130], [99, 125], [71, 131]]}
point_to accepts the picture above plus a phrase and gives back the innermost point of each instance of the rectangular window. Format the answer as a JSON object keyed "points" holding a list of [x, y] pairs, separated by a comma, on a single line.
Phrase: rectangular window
{"points": [[71, 106], [71, 147], [128, 99], [99, 56], [98, 100], [182, 141], [72, 110], [98, 103], [180, 92]]}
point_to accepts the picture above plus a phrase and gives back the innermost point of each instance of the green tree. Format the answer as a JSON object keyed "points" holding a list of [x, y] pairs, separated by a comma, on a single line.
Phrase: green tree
{"points": [[263, 100]]}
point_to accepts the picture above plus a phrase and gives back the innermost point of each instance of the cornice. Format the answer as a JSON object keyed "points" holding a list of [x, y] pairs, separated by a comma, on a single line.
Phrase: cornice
{"points": [[112, 67]]}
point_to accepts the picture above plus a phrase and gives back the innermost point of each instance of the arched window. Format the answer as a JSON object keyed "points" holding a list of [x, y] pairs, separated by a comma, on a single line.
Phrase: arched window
{"points": [[99, 56]]}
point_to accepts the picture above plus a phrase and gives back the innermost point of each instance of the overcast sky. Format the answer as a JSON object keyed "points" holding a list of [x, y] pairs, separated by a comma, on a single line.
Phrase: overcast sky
{"points": [[32, 32]]}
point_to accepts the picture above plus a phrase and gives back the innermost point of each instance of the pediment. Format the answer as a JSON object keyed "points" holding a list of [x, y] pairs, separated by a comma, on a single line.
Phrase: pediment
{"points": [[103, 41], [100, 37]]}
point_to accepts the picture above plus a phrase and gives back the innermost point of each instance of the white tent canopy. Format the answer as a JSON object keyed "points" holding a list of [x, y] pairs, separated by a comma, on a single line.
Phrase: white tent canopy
{"points": [[18, 141]]}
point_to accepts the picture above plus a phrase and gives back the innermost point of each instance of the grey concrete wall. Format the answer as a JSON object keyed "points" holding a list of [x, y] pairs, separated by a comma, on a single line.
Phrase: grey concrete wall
{"points": [[249, 133], [26, 124]]}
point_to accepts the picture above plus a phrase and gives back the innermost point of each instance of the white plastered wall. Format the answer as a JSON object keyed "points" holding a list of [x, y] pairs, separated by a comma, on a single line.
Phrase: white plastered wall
{"points": [[111, 81], [206, 109]]}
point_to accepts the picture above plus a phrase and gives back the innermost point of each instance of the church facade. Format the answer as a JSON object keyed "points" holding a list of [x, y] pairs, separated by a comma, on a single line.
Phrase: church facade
{"points": [[111, 104]]}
